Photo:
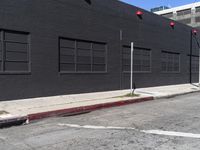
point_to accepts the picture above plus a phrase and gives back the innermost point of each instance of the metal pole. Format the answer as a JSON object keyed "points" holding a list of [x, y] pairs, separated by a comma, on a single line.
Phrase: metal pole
{"points": [[121, 55], [131, 84]]}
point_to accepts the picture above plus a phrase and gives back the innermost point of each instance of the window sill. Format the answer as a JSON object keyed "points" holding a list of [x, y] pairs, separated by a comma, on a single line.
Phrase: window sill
{"points": [[137, 72], [85, 72], [15, 73], [170, 72]]}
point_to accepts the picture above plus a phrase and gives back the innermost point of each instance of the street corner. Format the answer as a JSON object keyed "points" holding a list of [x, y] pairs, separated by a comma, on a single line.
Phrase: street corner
{"points": [[7, 119]]}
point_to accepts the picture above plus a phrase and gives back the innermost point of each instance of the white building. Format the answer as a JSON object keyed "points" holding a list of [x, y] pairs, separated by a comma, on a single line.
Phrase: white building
{"points": [[187, 14]]}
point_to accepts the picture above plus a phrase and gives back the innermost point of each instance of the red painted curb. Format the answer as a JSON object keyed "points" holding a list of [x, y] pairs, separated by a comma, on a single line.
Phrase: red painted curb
{"points": [[36, 116]]}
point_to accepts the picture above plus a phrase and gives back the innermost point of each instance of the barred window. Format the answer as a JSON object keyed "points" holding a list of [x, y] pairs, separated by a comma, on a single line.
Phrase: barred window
{"points": [[141, 59], [82, 56], [170, 62], [195, 64], [183, 12], [14, 51]]}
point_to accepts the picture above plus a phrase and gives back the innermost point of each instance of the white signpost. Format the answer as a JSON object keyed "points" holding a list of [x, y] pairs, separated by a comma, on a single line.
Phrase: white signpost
{"points": [[131, 81]]}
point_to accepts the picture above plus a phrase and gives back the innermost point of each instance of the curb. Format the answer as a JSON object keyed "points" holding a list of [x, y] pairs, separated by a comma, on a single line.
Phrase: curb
{"points": [[14, 121], [67, 112], [84, 109]]}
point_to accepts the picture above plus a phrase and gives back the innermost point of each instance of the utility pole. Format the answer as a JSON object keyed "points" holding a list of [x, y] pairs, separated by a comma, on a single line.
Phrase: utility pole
{"points": [[194, 32], [199, 66], [131, 80], [191, 35]]}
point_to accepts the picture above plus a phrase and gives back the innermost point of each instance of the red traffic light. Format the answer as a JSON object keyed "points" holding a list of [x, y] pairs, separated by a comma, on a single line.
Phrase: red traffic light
{"points": [[172, 24], [194, 31], [139, 13]]}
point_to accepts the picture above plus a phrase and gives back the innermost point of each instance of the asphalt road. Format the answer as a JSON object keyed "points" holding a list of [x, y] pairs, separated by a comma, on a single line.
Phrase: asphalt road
{"points": [[175, 123]]}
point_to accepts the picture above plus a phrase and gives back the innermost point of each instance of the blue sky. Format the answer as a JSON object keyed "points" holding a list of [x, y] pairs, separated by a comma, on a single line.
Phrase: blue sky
{"points": [[148, 4]]}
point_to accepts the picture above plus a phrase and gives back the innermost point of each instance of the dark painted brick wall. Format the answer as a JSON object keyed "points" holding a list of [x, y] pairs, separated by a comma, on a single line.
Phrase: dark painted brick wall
{"points": [[101, 21]]}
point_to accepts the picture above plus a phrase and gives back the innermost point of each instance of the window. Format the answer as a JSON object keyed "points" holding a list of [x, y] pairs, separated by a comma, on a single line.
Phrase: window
{"points": [[183, 12], [197, 9], [82, 56], [197, 19], [14, 51], [168, 15], [141, 59], [159, 8], [170, 62], [195, 64], [185, 21]]}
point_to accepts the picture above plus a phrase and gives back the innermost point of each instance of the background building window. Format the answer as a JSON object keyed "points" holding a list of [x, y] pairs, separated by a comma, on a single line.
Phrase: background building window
{"points": [[170, 62], [82, 56], [183, 12], [197, 19], [141, 59], [185, 21], [197, 9], [14, 51], [168, 15]]}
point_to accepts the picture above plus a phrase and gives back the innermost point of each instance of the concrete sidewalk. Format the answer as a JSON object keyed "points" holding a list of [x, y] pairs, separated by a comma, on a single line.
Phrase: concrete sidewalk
{"points": [[169, 91], [26, 110]]}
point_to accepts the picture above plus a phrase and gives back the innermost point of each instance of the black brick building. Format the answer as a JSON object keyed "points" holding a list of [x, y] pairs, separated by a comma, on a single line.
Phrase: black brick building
{"points": [[55, 47]]}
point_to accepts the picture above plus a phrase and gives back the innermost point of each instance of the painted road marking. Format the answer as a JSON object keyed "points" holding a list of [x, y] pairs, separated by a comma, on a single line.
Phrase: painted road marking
{"points": [[155, 132], [95, 127], [172, 133]]}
